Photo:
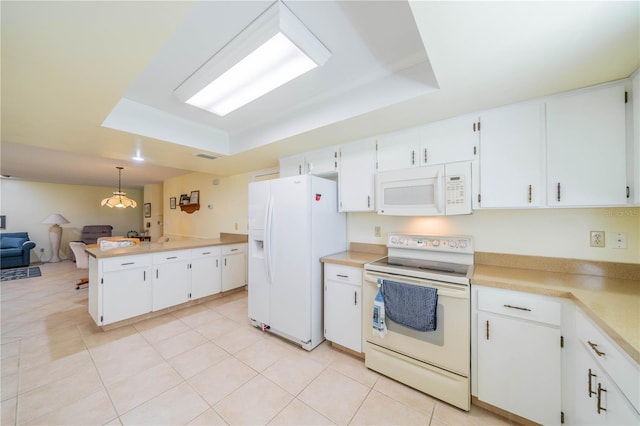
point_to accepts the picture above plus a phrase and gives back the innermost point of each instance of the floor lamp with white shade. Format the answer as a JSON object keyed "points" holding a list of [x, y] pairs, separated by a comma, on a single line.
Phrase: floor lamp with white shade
{"points": [[55, 234]]}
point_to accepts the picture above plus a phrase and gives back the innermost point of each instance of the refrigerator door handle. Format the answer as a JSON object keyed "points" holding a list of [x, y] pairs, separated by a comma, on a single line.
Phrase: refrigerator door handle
{"points": [[267, 238]]}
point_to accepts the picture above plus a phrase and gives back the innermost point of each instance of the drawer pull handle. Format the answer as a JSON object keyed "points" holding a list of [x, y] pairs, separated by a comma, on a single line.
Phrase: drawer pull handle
{"points": [[517, 307], [234, 249], [594, 346], [600, 390], [342, 276], [487, 332], [128, 263], [355, 298], [591, 392], [206, 252], [172, 257]]}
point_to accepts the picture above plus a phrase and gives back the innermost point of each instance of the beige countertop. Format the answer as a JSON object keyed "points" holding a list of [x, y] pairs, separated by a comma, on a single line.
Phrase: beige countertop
{"points": [[612, 303], [608, 293], [351, 258], [179, 244]]}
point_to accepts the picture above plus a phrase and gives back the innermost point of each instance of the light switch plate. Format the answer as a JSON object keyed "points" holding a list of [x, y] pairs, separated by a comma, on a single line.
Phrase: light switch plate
{"points": [[620, 240]]}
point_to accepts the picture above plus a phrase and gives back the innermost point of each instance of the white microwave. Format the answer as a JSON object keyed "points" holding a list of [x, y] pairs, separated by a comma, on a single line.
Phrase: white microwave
{"points": [[438, 190]]}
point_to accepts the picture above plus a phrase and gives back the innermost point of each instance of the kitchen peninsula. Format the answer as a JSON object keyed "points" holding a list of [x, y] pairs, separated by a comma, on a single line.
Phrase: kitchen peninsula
{"points": [[127, 284]]}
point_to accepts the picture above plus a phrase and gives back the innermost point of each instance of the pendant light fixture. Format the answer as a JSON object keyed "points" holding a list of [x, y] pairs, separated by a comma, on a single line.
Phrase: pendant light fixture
{"points": [[119, 199]]}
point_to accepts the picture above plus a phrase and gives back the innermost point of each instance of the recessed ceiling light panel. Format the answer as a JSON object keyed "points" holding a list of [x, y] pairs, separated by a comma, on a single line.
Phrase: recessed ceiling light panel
{"points": [[273, 49]]}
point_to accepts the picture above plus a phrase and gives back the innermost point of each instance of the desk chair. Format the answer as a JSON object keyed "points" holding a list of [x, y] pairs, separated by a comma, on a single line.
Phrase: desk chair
{"points": [[82, 259]]}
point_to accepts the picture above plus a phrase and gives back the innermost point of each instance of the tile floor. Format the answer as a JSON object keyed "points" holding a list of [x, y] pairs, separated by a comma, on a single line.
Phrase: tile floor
{"points": [[203, 365]]}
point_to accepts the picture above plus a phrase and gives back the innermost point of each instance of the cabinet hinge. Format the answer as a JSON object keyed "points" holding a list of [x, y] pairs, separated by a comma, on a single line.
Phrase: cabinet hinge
{"points": [[561, 416], [475, 150], [101, 280], [478, 126], [562, 341], [626, 97], [628, 191], [189, 295], [479, 198], [101, 318]]}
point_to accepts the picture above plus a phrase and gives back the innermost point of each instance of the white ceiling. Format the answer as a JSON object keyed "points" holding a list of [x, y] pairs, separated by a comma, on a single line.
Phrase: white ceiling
{"points": [[69, 67]]}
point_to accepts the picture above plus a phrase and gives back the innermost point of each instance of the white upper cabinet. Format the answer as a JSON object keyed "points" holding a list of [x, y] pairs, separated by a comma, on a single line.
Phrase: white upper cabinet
{"points": [[292, 166], [449, 141], [323, 162], [399, 150], [586, 148], [356, 184], [512, 160]]}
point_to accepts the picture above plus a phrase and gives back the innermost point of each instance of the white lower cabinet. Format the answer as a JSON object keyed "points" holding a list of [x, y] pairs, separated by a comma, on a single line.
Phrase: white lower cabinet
{"points": [[234, 266], [126, 288], [606, 380], [343, 305], [205, 272], [171, 279], [518, 350]]}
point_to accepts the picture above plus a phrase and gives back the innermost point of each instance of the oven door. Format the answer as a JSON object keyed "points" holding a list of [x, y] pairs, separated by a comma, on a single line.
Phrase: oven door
{"points": [[447, 347]]}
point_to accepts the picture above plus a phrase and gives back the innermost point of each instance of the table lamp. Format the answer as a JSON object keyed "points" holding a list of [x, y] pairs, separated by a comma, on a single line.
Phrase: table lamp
{"points": [[55, 233]]}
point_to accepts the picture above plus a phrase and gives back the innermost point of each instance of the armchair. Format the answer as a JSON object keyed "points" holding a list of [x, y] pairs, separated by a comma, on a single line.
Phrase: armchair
{"points": [[15, 249]]}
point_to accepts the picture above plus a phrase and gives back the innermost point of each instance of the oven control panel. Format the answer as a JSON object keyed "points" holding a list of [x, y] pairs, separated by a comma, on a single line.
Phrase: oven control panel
{"points": [[431, 242]]}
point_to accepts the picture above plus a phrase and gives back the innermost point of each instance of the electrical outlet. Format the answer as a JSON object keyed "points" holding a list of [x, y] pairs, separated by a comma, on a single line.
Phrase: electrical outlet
{"points": [[377, 231], [597, 238]]}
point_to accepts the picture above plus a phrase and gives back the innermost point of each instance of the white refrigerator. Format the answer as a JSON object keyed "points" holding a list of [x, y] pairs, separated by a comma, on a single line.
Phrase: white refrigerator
{"points": [[293, 222]]}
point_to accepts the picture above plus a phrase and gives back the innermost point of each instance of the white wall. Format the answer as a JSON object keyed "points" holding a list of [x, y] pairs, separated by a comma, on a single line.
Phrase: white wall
{"points": [[542, 232], [26, 204], [223, 205]]}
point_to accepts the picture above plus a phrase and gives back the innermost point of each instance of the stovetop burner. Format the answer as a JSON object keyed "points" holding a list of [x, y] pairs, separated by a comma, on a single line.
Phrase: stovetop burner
{"points": [[448, 259]]}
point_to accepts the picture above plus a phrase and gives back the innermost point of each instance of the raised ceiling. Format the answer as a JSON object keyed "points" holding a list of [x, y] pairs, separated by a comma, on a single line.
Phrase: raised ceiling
{"points": [[85, 85]]}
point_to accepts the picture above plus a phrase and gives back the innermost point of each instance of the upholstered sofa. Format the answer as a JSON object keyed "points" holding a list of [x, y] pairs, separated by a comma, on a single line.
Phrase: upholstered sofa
{"points": [[15, 249]]}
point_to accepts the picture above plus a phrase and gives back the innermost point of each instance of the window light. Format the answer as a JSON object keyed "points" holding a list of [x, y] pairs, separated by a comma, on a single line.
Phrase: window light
{"points": [[272, 50]]}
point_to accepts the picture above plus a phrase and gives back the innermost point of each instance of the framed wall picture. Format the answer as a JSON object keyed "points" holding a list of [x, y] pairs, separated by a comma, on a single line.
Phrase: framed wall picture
{"points": [[184, 199], [147, 209], [172, 202], [195, 197]]}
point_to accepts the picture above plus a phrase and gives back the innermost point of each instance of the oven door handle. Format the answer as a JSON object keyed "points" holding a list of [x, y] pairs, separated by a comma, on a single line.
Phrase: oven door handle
{"points": [[460, 291]]}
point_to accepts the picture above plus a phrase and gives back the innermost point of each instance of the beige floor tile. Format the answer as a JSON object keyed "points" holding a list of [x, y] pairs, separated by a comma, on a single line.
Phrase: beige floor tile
{"points": [[55, 337], [237, 340], [94, 409], [8, 411], [177, 406], [9, 366], [178, 344], [209, 417], [56, 395], [406, 395], [8, 350], [255, 402], [324, 353], [379, 409], [116, 368], [334, 395], [160, 328], [197, 315], [200, 358], [52, 352], [262, 353], [294, 372], [114, 349], [96, 337], [139, 388], [218, 381], [41, 374], [299, 413], [354, 368], [9, 387], [445, 414], [215, 329]]}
